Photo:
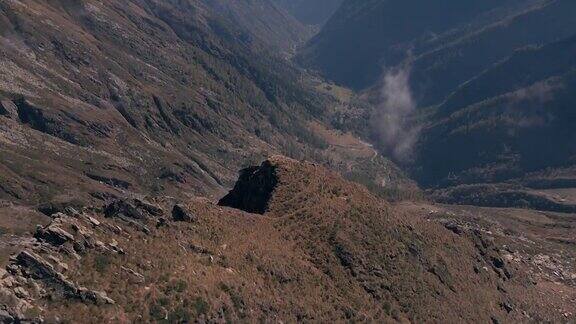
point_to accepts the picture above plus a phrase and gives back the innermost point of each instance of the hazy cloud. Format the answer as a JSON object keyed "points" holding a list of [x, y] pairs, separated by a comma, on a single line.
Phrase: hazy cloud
{"points": [[397, 134], [527, 106], [540, 92]]}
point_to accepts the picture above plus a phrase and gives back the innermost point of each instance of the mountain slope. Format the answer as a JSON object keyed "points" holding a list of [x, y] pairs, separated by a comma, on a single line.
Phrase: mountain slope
{"points": [[364, 36], [524, 68], [263, 20], [475, 92], [520, 122], [436, 74], [324, 249], [154, 96], [345, 231], [310, 12]]}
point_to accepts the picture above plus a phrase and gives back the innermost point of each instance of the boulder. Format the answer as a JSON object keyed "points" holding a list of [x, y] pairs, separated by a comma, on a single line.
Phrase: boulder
{"points": [[148, 207], [122, 207], [93, 221], [54, 235], [13, 309], [136, 224], [137, 277], [69, 210], [8, 108], [21, 293], [161, 222], [115, 247], [36, 266], [455, 228], [58, 264], [5, 317], [97, 297], [39, 269], [181, 214], [63, 207]]}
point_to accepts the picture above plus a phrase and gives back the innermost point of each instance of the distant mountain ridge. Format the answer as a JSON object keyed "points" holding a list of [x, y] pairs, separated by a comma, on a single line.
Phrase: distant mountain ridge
{"points": [[310, 12], [515, 118], [364, 36], [437, 73], [490, 84]]}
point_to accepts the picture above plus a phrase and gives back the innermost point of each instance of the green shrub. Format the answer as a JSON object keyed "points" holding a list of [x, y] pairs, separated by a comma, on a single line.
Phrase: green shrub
{"points": [[101, 262], [200, 306], [180, 315], [178, 286]]}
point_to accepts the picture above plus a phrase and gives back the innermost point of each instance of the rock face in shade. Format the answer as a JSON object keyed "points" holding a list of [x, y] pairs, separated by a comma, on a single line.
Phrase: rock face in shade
{"points": [[180, 213], [8, 108], [253, 189]]}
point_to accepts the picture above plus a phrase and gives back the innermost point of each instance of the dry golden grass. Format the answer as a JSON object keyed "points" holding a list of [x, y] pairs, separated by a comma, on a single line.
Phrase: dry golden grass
{"points": [[325, 250]]}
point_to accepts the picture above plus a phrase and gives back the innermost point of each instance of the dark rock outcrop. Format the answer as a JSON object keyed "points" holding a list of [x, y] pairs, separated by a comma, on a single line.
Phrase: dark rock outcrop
{"points": [[161, 222], [181, 214], [54, 235], [148, 207], [42, 120], [113, 182], [5, 317], [134, 223], [122, 208], [455, 228], [134, 208], [66, 207], [37, 268], [253, 189]]}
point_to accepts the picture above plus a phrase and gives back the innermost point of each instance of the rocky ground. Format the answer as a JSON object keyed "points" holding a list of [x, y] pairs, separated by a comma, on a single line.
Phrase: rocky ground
{"points": [[318, 248], [538, 242], [123, 122]]}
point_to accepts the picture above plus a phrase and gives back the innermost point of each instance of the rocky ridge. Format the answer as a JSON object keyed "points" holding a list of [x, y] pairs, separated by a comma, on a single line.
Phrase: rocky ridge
{"points": [[319, 248]]}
